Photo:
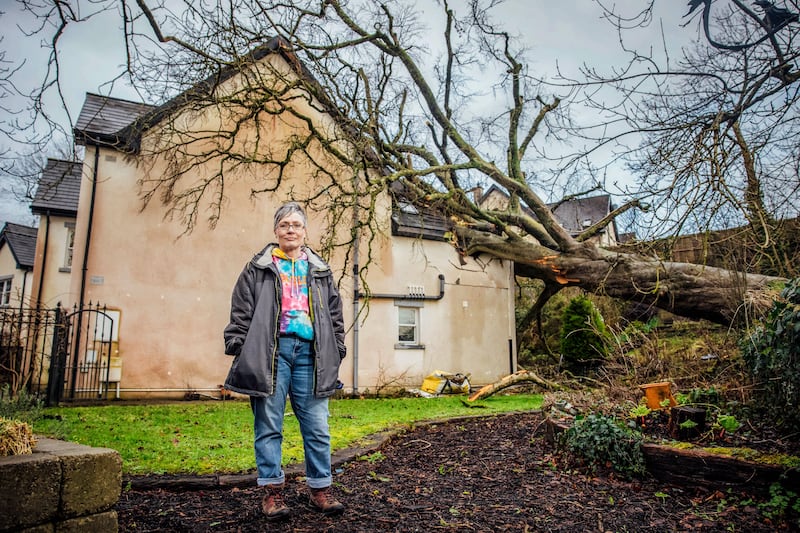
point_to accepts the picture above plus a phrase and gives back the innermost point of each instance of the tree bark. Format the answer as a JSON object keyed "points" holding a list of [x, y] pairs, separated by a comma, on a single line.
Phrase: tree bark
{"points": [[512, 379], [686, 289]]}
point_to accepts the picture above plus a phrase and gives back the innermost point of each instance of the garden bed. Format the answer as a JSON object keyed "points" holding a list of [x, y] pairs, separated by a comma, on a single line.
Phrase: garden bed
{"points": [[496, 473]]}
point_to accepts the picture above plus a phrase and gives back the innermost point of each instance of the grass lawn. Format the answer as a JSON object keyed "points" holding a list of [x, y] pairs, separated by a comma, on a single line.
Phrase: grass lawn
{"points": [[217, 437]]}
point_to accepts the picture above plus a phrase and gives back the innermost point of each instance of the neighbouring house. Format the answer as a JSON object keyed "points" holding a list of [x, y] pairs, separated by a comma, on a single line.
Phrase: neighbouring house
{"points": [[56, 205], [17, 245], [418, 306], [575, 215]]}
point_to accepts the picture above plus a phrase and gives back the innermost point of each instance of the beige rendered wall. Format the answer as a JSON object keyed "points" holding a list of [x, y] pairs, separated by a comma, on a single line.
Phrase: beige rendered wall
{"points": [[51, 243], [466, 331], [172, 289], [20, 282], [172, 292]]}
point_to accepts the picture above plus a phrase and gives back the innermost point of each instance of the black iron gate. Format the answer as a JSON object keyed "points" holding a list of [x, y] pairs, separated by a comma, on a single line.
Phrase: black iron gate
{"points": [[81, 360], [59, 354]]}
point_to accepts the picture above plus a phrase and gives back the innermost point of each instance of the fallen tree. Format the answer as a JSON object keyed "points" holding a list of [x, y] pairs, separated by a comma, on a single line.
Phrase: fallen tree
{"points": [[407, 123]]}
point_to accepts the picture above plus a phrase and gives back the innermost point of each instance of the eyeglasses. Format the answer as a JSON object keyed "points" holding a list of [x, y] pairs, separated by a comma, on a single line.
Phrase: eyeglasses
{"points": [[286, 226]]}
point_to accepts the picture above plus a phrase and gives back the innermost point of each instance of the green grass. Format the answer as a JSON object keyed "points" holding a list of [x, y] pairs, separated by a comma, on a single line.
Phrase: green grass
{"points": [[217, 437]]}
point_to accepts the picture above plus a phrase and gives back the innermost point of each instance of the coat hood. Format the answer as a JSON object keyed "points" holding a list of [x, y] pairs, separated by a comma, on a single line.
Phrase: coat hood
{"points": [[263, 259]]}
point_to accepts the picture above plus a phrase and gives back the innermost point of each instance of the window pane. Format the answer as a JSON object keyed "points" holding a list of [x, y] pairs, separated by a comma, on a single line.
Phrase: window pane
{"points": [[407, 315], [406, 334], [5, 292]]}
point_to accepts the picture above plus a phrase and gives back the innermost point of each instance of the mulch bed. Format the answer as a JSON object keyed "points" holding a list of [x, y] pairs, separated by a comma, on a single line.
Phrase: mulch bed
{"points": [[481, 474]]}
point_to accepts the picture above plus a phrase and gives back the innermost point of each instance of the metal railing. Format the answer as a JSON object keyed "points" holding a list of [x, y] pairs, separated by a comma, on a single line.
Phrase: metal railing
{"points": [[58, 354]]}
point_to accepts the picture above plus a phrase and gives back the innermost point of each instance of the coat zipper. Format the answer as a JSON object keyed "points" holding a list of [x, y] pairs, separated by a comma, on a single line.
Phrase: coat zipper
{"points": [[276, 333]]}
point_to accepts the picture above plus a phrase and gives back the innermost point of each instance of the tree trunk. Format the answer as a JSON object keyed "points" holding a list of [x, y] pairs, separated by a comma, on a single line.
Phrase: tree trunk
{"points": [[686, 289]]}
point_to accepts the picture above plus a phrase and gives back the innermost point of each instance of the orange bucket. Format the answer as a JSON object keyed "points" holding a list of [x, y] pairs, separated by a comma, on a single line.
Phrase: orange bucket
{"points": [[657, 393]]}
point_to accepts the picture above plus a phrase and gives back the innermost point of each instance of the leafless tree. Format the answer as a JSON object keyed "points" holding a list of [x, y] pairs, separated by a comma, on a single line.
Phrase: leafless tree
{"points": [[407, 120], [717, 123]]}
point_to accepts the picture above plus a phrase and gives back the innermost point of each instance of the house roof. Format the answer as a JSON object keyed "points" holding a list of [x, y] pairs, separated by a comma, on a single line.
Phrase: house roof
{"points": [[407, 221], [59, 188], [578, 214], [574, 215], [21, 241], [108, 121], [103, 119]]}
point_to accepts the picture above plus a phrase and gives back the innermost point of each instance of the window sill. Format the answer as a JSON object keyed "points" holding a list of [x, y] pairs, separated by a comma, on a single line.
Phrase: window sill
{"points": [[409, 346], [65, 269]]}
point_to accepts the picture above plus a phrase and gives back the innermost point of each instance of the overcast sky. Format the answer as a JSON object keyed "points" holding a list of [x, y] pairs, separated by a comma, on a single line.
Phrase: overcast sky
{"points": [[568, 31]]}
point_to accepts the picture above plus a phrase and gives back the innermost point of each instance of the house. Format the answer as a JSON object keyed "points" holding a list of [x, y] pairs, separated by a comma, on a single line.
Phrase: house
{"points": [[416, 307], [575, 215], [17, 244], [56, 205]]}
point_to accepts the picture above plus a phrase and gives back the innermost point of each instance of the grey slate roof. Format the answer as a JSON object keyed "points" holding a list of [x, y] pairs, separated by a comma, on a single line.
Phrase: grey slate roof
{"points": [[59, 188], [108, 121], [574, 215], [578, 214], [418, 225], [102, 119], [21, 241]]}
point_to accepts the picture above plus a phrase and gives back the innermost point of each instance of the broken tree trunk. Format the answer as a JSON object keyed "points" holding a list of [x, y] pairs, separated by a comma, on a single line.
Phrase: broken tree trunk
{"points": [[686, 289], [512, 379]]}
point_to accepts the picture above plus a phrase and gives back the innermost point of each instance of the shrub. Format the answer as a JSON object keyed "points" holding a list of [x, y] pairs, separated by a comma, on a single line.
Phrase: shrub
{"points": [[599, 440], [22, 406], [584, 339], [772, 353]]}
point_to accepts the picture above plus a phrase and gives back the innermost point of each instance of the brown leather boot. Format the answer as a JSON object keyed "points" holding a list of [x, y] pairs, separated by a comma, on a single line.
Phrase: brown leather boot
{"points": [[272, 505], [323, 501]]}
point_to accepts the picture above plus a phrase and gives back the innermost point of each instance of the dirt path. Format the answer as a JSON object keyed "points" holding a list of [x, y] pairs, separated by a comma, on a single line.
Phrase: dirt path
{"points": [[487, 474]]}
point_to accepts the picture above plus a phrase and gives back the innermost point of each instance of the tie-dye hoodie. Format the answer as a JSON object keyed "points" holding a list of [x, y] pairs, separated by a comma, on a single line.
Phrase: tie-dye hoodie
{"points": [[295, 318]]}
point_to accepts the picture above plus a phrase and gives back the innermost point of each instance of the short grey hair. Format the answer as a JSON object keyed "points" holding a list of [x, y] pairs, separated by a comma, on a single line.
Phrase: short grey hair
{"points": [[287, 209]]}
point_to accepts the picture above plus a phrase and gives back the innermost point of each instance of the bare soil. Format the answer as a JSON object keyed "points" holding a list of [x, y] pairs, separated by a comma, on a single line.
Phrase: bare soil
{"points": [[481, 474]]}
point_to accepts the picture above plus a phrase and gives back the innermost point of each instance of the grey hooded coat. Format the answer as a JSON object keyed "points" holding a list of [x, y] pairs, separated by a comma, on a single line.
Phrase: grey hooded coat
{"points": [[252, 334]]}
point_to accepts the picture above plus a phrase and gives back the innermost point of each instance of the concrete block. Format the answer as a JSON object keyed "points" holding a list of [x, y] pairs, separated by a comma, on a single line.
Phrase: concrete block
{"points": [[44, 528], [91, 482], [96, 523], [31, 486]]}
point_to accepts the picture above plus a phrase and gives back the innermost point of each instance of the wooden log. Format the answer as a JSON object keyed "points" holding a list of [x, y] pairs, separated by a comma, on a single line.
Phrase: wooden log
{"points": [[713, 470], [695, 467], [512, 379]]}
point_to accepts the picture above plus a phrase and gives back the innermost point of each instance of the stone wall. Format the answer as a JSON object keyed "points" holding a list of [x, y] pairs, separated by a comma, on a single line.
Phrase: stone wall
{"points": [[61, 487]]}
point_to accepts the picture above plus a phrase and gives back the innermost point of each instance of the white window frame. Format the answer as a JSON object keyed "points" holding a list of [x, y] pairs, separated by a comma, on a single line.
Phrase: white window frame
{"points": [[69, 246], [5, 290], [414, 307]]}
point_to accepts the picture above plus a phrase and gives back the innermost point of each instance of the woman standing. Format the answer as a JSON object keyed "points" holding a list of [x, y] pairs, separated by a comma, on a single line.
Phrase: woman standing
{"points": [[286, 332]]}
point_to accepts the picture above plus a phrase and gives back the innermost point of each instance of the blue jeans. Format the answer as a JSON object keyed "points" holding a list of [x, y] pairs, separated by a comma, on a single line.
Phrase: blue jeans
{"points": [[295, 378]]}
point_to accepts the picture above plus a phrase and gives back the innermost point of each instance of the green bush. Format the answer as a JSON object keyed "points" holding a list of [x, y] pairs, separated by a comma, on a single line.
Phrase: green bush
{"points": [[772, 353], [22, 406], [584, 339], [601, 440]]}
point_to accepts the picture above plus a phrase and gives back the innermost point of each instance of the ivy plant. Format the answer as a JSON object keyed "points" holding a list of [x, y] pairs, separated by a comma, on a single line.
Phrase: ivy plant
{"points": [[772, 353], [600, 440]]}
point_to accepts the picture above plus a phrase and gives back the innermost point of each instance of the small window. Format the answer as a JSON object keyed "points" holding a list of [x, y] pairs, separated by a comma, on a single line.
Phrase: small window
{"points": [[69, 246], [408, 325], [5, 291]]}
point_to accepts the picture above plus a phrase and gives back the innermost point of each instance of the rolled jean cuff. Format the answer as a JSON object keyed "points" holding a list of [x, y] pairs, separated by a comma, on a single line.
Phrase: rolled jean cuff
{"points": [[263, 481], [319, 483]]}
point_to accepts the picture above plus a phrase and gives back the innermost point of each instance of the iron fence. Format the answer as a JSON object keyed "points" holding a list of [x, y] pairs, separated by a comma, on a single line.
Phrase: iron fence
{"points": [[58, 354]]}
